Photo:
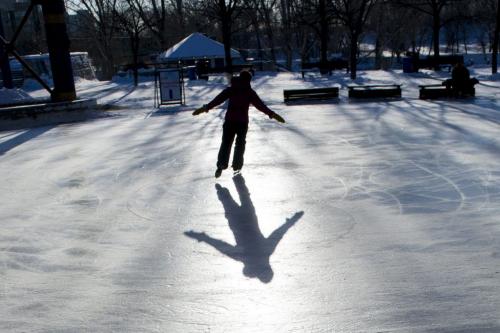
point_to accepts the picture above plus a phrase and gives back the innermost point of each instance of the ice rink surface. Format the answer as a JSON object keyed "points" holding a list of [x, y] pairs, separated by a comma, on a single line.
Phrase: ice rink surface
{"points": [[378, 216]]}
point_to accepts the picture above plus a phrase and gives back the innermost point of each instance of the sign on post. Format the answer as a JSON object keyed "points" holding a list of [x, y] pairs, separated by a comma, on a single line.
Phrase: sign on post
{"points": [[169, 87]]}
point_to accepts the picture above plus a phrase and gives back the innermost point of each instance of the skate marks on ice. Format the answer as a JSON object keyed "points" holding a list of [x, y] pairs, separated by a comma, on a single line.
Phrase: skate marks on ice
{"points": [[252, 248], [413, 178], [154, 201], [424, 188]]}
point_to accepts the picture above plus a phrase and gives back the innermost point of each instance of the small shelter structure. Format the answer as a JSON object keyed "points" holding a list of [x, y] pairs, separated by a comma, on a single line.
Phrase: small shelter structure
{"points": [[197, 47]]}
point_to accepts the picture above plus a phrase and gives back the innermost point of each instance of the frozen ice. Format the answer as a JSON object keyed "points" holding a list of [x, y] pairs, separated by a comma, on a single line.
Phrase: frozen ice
{"points": [[377, 216]]}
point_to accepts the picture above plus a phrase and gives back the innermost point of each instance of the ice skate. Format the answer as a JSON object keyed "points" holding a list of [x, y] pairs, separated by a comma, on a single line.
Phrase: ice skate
{"points": [[218, 172]]}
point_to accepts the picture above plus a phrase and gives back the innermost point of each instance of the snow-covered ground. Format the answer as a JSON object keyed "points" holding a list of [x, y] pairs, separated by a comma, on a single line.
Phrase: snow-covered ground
{"points": [[12, 96], [379, 216]]}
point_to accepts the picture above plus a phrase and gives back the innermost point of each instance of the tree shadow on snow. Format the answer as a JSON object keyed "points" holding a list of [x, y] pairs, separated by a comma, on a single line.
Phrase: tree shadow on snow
{"points": [[22, 138], [252, 248]]}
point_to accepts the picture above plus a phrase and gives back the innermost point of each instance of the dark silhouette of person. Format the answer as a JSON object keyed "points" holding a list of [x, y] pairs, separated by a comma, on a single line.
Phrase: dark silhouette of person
{"points": [[240, 95], [252, 248], [460, 81], [202, 69]]}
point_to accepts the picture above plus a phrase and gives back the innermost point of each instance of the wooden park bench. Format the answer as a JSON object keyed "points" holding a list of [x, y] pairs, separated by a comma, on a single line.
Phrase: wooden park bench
{"points": [[435, 91], [293, 95], [375, 91]]}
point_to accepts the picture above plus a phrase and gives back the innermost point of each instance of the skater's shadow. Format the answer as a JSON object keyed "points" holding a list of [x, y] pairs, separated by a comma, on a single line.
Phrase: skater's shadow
{"points": [[252, 248]]}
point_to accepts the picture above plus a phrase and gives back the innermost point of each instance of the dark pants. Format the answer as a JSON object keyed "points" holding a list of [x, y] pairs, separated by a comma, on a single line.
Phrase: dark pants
{"points": [[229, 131]]}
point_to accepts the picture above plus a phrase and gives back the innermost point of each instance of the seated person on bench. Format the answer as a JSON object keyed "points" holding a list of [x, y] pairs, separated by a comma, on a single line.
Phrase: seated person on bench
{"points": [[460, 81]]}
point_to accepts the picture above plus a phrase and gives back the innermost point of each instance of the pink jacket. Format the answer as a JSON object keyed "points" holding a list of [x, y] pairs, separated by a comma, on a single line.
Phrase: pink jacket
{"points": [[240, 96]]}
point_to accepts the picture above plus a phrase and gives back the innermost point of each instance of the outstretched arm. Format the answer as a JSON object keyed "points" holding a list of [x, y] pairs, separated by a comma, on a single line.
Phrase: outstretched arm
{"points": [[221, 246], [257, 102], [278, 234], [219, 99]]}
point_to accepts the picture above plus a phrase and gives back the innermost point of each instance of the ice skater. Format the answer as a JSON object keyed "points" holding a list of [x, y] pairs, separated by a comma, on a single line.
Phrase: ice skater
{"points": [[240, 95]]}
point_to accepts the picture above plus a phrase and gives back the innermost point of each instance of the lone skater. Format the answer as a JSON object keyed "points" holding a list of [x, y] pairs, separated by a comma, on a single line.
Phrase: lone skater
{"points": [[240, 95]]}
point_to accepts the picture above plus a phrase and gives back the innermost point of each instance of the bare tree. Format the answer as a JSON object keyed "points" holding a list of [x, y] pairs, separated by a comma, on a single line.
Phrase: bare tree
{"points": [[225, 13], [434, 9], [132, 24], [255, 19], [318, 15], [396, 29], [178, 6], [353, 14], [265, 11], [380, 25], [286, 10], [155, 15], [100, 22], [323, 34], [494, 53]]}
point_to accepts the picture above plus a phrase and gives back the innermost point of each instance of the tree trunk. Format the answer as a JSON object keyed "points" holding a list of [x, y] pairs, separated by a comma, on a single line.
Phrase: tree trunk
{"points": [[494, 54], [260, 54], [180, 15], [436, 27], [285, 14], [353, 55], [378, 53], [323, 37], [135, 54], [164, 33], [269, 32], [270, 35], [162, 42], [107, 62], [107, 70], [226, 40]]}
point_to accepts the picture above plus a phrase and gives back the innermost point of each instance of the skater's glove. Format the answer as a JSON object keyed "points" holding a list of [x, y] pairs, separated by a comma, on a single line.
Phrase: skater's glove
{"points": [[278, 117], [200, 110]]}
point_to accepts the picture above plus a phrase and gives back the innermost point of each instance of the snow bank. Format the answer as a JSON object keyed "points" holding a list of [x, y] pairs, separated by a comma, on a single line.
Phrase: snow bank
{"points": [[12, 96]]}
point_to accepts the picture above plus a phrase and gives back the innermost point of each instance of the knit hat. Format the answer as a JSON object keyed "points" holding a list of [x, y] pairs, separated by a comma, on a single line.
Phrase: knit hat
{"points": [[245, 76]]}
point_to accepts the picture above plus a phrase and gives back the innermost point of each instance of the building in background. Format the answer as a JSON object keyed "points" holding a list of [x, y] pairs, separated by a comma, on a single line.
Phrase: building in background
{"points": [[198, 47]]}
